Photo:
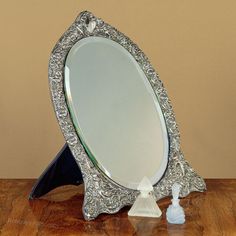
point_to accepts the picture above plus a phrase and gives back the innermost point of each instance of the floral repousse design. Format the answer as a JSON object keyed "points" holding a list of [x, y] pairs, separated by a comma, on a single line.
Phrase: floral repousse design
{"points": [[102, 195]]}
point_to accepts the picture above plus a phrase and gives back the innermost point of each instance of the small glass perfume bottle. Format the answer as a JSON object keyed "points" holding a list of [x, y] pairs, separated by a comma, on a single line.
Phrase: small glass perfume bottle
{"points": [[145, 204], [175, 213]]}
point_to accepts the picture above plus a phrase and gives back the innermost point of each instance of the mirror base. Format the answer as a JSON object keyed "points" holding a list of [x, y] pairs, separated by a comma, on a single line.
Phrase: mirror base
{"points": [[102, 195], [63, 170]]}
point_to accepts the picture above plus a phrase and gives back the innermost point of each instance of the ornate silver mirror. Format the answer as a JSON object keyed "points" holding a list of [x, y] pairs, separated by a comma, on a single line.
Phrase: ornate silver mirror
{"points": [[115, 116]]}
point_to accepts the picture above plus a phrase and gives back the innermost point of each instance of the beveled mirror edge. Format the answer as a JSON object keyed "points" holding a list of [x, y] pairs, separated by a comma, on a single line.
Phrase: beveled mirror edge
{"points": [[101, 194], [71, 106]]}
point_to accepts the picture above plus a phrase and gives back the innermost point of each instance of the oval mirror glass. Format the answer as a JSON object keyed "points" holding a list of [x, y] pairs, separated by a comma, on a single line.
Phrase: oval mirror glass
{"points": [[115, 112]]}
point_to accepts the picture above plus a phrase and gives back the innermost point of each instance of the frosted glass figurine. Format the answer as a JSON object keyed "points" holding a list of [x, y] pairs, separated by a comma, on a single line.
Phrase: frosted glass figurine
{"points": [[175, 213], [145, 205]]}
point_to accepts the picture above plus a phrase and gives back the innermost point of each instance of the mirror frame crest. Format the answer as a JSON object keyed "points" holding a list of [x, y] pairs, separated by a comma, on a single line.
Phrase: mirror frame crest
{"points": [[101, 194]]}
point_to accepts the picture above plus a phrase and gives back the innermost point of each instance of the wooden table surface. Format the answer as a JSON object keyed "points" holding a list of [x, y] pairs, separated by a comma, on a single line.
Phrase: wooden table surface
{"points": [[59, 213]]}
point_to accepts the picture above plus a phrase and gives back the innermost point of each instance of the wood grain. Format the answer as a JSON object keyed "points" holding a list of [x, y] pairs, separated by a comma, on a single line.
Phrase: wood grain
{"points": [[59, 213]]}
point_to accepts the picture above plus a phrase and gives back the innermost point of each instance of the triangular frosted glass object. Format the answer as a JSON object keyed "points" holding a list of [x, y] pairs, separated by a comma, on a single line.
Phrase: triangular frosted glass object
{"points": [[145, 205]]}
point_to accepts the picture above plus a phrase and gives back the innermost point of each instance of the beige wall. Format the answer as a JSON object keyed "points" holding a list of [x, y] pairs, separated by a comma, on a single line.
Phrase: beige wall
{"points": [[192, 44]]}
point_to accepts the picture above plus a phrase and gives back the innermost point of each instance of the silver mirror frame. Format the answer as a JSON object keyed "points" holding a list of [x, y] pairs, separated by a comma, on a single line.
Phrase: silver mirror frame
{"points": [[102, 194]]}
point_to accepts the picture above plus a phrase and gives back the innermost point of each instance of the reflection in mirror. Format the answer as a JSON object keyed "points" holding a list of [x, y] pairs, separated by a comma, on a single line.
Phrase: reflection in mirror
{"points": [[115, 112]]}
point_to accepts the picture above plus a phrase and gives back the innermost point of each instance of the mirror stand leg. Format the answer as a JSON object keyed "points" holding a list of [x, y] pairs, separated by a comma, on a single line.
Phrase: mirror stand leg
{"points": [[63, 170], [179, 171]]}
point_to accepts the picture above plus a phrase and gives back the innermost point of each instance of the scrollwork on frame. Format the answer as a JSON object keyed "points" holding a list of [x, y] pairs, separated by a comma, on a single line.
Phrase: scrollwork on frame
{"points": [[102, 195]]}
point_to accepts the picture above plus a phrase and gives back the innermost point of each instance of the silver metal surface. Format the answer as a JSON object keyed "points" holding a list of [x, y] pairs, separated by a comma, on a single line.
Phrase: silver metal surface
{"points": [[102, 195]]}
